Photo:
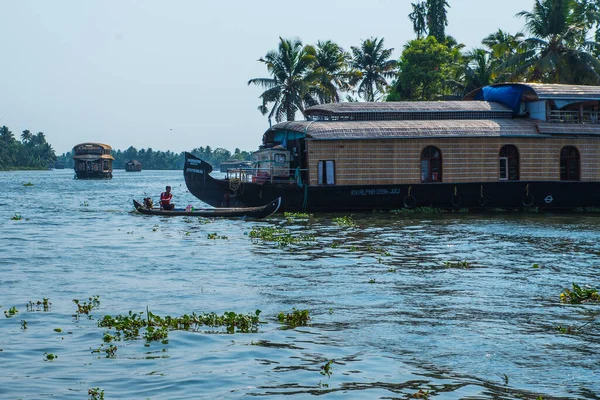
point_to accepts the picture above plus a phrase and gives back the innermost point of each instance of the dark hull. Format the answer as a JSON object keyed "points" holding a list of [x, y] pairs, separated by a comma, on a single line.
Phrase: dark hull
{"points": [[93, 175], [250, 212], [548, 195]]}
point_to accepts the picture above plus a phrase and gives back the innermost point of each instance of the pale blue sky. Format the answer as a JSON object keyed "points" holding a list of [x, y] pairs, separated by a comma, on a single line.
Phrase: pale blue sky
{"points": [[172, 75]]}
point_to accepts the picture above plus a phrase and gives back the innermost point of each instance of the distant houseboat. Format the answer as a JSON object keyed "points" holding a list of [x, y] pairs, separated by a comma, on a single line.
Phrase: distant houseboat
{"points": [[133, 166], [504, 146], [234, 164], [93, 161]]}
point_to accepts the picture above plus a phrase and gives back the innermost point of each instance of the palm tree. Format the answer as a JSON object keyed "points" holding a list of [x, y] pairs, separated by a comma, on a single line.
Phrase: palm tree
{"points": [[557, 51], [437, 19], [502, 46], [26, 136], [288, 88], [419, 18], [479, 71], [330, 72], [373, 63]]}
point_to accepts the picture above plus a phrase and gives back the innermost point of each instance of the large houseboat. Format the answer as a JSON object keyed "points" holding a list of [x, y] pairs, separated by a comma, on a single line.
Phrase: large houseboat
{"points": [[93, 161], [512, 145]]}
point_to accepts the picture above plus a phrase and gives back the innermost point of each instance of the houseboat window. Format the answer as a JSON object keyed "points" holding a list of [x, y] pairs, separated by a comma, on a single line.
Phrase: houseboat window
{"points": [[105, 165], [326, 172], [509, 163], [569, 164], [431, 164], [279, 158]]}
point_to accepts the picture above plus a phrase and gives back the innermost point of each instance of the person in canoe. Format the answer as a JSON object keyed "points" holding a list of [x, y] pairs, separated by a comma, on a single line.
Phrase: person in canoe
{"points": [[165, 199]]}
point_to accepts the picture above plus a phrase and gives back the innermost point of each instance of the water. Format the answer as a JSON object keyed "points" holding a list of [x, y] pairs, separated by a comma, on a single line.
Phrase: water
{"points": [[392, 317]]}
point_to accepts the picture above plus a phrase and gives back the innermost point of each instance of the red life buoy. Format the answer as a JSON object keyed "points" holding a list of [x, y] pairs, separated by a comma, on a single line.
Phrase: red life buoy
{"points": [[95, 167]]}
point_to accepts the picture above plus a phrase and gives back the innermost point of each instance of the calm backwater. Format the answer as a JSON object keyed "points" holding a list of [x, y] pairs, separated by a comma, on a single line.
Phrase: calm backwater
{"points": [[385, 308]]}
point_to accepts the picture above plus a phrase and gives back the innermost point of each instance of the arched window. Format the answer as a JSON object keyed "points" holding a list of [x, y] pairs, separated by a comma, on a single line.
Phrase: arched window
{"points": [[509, 163], [431, 164], [569, 164]]}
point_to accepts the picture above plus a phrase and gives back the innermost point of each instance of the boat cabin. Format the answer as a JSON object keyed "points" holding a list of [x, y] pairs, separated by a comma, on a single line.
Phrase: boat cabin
{"points": [[93, 161], [133, 166]]}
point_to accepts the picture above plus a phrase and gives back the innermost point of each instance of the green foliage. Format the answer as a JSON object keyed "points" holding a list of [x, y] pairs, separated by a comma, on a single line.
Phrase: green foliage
{"points": [[96, 394], [32, 152], [425, 66], [457, 264], [85, 307], [326, 369], [11, 312], [294, 216], [215, 236], [419, 210], [295, 318], [50, 357], [579, 295], [128, 326], [17, 217], [373, 66], [23, 324], [40, 305], [281, 236], [344, 221], [27, 184]]}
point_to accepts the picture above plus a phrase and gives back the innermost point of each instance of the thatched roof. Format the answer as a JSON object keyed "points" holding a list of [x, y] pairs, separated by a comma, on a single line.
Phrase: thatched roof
{"points": [[327, 130], [92, 144], [413, 106], [547, 91]]}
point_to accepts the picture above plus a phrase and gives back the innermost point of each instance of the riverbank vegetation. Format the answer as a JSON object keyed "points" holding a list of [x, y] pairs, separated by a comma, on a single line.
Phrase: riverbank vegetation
{"points": [[31, 152]]}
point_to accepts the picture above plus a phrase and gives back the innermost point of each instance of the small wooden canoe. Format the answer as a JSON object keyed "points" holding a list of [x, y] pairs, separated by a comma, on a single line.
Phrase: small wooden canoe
{"points": [[251, 212]]}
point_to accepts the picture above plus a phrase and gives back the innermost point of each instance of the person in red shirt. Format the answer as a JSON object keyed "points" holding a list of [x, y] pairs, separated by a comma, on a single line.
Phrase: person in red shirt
{"points": [[165, 199]]}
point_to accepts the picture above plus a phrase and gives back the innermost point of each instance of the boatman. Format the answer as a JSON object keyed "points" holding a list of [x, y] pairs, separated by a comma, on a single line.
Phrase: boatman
{"points": [[165, 199]]}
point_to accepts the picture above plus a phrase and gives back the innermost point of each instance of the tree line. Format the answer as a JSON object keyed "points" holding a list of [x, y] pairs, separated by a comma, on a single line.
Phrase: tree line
{"points": [[560, 44], [156, 159], [32, 151]]}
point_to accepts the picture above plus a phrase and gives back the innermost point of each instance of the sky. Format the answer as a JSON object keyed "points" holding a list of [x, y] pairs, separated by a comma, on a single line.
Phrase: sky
{"points": [[173, 74]]}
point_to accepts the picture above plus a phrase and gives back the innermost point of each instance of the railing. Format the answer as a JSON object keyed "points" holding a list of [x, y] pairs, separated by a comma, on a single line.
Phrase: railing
{"points": [[261, 175], [575, 117]]}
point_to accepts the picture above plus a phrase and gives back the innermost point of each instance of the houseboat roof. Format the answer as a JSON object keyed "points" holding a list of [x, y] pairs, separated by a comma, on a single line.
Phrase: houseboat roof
{"points": [[329, 130], [404, 106], [89, 144], [544, 91]]}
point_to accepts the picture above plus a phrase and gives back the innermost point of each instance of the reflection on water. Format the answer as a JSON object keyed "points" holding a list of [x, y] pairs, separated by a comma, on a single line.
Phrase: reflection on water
{"points": [[393, 317]]}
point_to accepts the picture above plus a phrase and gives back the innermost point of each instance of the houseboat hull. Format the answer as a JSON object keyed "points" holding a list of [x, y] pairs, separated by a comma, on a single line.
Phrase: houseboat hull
{"points": [[543, 195], [93, 175]]}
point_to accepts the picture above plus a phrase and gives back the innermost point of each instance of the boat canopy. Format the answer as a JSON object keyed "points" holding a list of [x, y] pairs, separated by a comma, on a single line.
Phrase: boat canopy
{"points": [[513, 94]]}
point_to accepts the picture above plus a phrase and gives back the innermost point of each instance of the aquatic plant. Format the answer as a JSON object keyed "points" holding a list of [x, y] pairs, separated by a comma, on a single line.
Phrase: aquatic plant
{"points": [[128, 326], [23, 324], [457, 264], [27, 184], [50, 357], [16, 217], [371, 280], [419, 210], [535, 265], [215, 236], [344, 221], [59, 330], [85, 307], [294, 216], [11, 312], [110, 351], [421, 394], [295, 318], [391, 269], [281, 236], [579, 295], [85, 204], [326, 368], [39, 305], [96, 394]]}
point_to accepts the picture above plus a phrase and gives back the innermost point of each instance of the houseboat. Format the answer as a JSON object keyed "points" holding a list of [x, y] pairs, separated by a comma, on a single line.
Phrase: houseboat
{"points": [[93, 161], [511, 146], [133, 166]]}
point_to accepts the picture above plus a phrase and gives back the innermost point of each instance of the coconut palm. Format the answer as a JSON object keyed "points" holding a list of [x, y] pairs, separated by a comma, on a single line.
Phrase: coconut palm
{"points": [[26, 136], [437, 19], [502, 46], [373, 63], [557, 51], [419, 18], [288, 88], [330, 73]]}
